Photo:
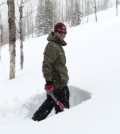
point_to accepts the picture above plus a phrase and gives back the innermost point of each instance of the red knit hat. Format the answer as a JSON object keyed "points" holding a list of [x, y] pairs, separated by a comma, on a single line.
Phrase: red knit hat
{"points": [[60, 27]]}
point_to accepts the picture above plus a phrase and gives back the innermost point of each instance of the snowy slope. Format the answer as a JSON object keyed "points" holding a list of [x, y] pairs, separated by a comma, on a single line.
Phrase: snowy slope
{"points": [[93, 60]]}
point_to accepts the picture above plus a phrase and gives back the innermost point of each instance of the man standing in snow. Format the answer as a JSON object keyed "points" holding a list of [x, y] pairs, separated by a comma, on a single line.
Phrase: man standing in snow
{"points": [[55, 74]]}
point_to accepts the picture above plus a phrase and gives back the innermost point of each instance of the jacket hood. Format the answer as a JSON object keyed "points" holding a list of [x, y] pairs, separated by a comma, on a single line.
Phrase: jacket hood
{"points": [[56, 40]]}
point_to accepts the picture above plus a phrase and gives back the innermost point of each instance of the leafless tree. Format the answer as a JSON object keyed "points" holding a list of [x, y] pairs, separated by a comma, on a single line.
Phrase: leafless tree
{"points": [[0, 35], [12, 37], [21, 29], [28, 18], [87, 9], [116, 7], [106, 4], [31, 21], [1, 29], [3, 3], [21, 33], [94, 5]]}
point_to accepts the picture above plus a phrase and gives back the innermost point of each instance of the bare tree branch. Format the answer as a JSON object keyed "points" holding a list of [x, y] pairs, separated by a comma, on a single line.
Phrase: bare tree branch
{"points": [[25, 2], [5, 2], [30, 13], [92, 3], [17, 30]]}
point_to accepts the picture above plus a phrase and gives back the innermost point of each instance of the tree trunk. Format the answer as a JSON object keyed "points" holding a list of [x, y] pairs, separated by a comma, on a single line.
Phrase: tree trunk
{"points": [[27, 19], [106, 4], [95, 8], [0, 35], [116, 7], [87, 10], [21, 34], [12, 37]]}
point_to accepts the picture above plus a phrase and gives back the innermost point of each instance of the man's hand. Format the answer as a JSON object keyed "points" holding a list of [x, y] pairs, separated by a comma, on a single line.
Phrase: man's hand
{"points": [[48, 88]]}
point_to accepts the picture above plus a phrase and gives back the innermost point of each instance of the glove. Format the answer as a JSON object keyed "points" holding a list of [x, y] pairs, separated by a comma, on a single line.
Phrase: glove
{"points": [[48, 88]]}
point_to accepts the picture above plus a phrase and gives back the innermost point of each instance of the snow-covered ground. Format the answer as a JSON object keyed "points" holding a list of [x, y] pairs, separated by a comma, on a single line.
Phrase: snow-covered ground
{"points": [[93, 61]]}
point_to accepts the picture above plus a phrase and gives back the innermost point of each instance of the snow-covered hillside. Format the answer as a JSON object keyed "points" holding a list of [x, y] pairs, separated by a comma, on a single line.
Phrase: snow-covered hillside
{"points": [[93, 61]]}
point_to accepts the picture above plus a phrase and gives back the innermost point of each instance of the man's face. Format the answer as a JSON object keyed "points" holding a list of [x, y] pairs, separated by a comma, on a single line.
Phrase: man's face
{"points": [[60, 35]]}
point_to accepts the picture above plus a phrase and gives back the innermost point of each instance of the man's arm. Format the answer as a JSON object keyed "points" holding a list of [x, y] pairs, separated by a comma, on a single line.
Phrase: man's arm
{"points": [[50, 56]]}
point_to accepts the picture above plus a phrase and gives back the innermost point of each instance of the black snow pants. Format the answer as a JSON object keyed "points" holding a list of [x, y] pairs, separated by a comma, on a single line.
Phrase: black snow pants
{"points": [[61, 94]]}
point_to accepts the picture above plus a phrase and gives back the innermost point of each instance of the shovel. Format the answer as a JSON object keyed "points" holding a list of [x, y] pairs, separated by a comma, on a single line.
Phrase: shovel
{"points": [[57, 101]]}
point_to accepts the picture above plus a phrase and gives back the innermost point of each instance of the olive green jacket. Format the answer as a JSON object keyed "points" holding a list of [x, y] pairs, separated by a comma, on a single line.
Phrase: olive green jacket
{"points": [[54, 63]]}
